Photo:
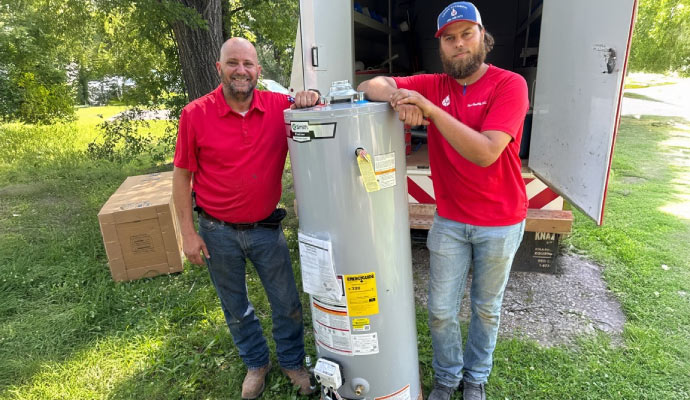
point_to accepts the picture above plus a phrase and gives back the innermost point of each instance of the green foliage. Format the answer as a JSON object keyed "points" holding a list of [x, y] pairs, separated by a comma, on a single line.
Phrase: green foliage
{"points": [[72, 42], [272, 26], [42, 104], [9, 97], [128, 136], [40, 37], [661, 40]]}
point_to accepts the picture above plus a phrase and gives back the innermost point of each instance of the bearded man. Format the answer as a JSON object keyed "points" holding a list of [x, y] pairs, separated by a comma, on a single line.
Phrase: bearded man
{"points": [[231, 151], [476, 113]]}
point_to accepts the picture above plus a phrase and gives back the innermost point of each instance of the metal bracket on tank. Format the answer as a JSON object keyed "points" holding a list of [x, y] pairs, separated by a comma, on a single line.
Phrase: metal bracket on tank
{"points": [[342, 92]]}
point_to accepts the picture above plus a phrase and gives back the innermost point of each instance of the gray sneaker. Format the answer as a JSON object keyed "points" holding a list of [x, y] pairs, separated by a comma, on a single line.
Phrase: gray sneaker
{"points": [[473, 391], [440, 392]]}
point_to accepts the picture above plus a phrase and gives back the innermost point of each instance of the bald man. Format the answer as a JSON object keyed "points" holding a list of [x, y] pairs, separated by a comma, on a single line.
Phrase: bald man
{"points": [[231, 150]]}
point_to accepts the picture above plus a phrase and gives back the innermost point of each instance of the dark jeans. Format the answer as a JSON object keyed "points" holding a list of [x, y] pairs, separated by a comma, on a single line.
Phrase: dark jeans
{"points": [[267, 249]]}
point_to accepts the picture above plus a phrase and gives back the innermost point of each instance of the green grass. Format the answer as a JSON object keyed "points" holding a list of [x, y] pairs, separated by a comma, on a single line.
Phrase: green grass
{"points": [[638, 80], [67, 331], [640, 97]]}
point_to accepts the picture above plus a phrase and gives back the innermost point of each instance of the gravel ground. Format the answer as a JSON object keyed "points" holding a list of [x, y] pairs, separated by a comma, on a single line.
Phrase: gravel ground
{"points": [[551, 309]]}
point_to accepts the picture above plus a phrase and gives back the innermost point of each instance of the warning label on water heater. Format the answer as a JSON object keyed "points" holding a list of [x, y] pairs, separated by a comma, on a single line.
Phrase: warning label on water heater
{"points": [[331, 326], [361, 294], [384, 168]]}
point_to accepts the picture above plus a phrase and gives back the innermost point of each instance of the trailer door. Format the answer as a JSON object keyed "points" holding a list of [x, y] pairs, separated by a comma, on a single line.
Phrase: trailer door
{"points": [[583, 52], [326, 43]]}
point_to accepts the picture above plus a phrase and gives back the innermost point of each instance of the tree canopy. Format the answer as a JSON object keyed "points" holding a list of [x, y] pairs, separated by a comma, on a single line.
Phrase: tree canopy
{"points": [[51, 49], [661, 40]]}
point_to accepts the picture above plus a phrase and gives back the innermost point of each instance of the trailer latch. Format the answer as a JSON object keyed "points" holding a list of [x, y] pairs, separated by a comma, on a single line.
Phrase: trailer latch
{"points": [[610, 59]]}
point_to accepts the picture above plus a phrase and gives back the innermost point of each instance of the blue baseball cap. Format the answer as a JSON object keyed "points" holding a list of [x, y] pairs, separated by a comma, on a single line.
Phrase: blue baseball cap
{"points": [[455, 12]]}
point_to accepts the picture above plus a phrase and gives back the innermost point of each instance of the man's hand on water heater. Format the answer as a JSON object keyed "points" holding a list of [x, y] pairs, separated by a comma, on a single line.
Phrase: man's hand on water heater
{"points": [[306, 98], [411, 115], [405, 96]]}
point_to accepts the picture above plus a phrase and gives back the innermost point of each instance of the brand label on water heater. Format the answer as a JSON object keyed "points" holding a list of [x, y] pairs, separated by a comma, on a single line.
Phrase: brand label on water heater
{"points": [[303, 131], [361, 295]]}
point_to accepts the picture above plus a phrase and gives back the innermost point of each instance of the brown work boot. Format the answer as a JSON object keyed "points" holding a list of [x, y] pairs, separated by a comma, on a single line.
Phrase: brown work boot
{"points": [[300, 377], [255, 382]]}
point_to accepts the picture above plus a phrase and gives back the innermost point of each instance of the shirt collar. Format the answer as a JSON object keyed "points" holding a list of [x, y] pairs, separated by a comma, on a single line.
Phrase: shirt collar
{"points": [[224, 108]]}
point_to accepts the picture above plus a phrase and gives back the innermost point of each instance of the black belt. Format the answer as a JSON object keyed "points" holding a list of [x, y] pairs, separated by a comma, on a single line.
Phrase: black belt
{"points": [[241, 227]]}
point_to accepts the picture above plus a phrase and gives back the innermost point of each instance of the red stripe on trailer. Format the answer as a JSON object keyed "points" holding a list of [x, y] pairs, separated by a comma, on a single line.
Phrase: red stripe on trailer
{"points": [[418, 193], [542, 199]]}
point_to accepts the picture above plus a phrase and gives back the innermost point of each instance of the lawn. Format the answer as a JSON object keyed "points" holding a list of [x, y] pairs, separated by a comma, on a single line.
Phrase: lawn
{"points": [[68, 332]]}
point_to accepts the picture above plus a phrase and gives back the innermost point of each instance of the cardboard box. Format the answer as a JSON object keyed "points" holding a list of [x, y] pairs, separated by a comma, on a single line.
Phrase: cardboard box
{"points": [[140, 230]]}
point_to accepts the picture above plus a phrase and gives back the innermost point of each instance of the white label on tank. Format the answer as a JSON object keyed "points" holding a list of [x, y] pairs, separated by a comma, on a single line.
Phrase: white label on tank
{"points": [[318, 274], [331, 327], [365, 344], [384, 167], [402, 394]]}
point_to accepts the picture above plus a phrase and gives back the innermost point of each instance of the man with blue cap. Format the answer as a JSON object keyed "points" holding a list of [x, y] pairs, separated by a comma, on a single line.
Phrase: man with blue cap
{"points": [[475, 112]]}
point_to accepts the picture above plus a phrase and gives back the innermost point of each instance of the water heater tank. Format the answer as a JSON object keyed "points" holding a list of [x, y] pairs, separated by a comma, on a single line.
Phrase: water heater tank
{"points": [[354, 242]]}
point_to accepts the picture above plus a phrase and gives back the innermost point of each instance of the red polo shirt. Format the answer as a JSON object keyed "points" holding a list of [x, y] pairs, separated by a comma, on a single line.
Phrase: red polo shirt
{"points": [[237, 161], [465, 192]]}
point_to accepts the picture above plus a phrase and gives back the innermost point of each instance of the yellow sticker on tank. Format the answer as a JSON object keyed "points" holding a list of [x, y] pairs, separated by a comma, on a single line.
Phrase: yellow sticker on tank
{"points": [[361, 294], [361, 324], [366, 169]]}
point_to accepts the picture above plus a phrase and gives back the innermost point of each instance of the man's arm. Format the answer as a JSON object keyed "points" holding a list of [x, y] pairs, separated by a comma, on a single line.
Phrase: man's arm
{"points": [[384, 88], [192, 244], [380, 88], [481, 148]]}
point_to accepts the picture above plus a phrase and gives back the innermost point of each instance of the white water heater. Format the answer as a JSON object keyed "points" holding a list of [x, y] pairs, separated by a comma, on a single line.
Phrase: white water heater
{"points": [[354, 242]]}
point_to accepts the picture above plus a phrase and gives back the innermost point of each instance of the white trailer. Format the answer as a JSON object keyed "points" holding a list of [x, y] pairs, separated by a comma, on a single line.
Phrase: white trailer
{"points": [[572, 54]]}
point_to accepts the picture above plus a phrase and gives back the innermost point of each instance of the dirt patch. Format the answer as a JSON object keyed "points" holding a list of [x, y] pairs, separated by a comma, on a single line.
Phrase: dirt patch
{"points": [[549, 309]]}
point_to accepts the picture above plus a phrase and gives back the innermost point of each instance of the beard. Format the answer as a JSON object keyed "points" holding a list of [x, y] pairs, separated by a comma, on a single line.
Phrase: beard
{"points": [[461, 69], [238, 90]]}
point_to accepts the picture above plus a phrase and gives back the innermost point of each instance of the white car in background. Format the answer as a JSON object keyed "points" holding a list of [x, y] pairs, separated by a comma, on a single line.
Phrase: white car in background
{"points": [[273, 86]]}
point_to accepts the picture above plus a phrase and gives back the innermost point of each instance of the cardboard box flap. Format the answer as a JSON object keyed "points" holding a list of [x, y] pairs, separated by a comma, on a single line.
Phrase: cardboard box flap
{"points": [[140, 192]]}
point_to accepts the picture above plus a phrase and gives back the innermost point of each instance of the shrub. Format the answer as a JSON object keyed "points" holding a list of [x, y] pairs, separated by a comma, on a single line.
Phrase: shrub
{"points": [[41, 103], [123, 139]]}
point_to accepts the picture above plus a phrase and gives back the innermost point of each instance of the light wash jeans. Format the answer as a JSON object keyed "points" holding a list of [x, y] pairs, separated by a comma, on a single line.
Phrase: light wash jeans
{"points": [[267, 250], [453, 247]]}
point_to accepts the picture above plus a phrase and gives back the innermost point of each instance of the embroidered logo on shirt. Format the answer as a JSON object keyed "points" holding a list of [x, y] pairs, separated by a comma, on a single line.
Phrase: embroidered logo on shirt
{"points": [[480, 103], [446, 101]]}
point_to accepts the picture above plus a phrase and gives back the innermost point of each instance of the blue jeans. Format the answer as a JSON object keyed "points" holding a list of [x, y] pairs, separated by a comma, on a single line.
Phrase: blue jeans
{"points": [[453, 247], [267, 249]]}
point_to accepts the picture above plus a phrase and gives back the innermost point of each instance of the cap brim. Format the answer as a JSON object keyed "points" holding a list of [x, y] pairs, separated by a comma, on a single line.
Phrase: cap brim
{"points": [[439, 32]]}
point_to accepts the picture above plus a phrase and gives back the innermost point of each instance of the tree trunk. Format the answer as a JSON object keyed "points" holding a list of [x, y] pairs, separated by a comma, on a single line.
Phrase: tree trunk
{"points": [[198, 48]]}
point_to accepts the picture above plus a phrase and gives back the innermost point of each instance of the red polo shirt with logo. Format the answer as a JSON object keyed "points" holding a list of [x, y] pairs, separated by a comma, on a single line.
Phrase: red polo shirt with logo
{"points": [[237, 161], [465, 192]]}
